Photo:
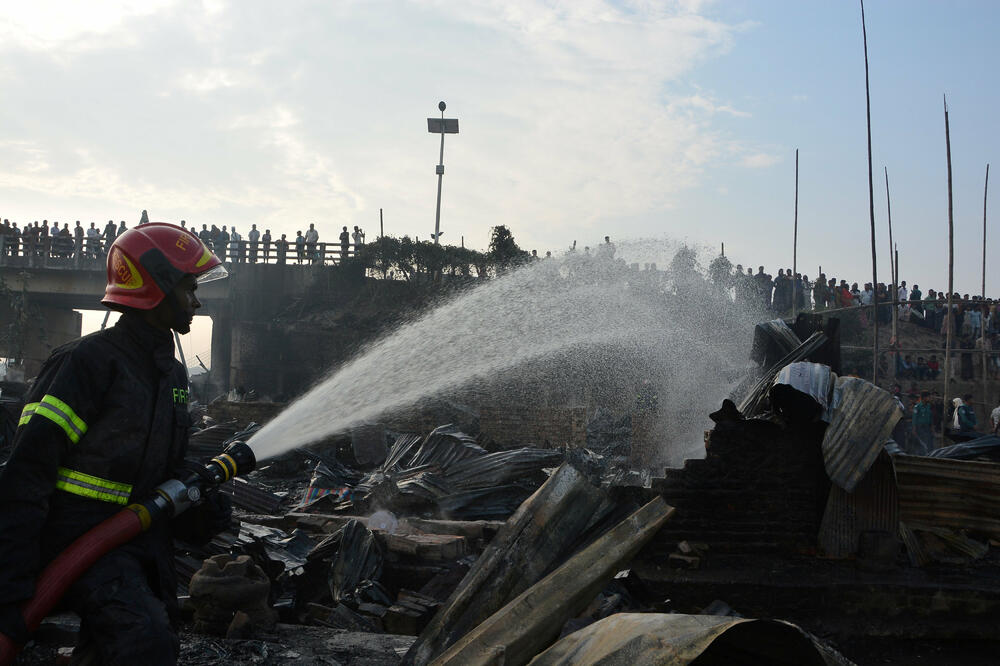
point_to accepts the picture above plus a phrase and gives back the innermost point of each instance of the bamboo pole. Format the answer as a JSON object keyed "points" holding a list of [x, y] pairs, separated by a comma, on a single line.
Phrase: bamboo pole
{"points": [[896, 277], [871, 200], [888, 210], [949, 315], [795, 238], [895, 287], [982, 316]]}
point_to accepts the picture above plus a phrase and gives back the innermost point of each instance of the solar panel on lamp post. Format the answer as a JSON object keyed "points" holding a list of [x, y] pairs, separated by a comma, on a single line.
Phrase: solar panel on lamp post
{"points": [[440, 126]]}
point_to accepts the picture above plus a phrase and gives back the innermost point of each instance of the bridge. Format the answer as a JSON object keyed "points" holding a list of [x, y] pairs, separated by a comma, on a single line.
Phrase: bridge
{"points": [[40, 289]]}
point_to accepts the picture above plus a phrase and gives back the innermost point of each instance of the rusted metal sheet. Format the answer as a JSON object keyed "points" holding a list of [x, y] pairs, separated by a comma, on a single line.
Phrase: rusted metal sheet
{"points": [[209, 441], [628, 639], [861, 420], [873, 506], [753, 403], [772, 340], [956, 494], [254, 499], [813, 379]]}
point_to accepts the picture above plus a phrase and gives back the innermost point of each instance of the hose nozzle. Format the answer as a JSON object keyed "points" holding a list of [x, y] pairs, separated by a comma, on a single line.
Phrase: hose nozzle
{"points": [[177, 495], [237, 459]]}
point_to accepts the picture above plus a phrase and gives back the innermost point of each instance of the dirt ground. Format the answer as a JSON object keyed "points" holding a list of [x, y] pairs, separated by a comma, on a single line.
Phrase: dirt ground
{"points": [[878, 651], [297, 644], [288, 644]]}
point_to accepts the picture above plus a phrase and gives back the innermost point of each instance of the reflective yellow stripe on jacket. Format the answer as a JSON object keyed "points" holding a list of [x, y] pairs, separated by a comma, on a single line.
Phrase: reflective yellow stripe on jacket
{"points": [[27, 412], [93, 487], [59, 413]]}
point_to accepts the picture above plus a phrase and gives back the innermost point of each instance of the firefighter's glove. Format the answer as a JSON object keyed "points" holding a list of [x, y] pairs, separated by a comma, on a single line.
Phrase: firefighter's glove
{"points": [[190, 467], [12, 623], [218, 512], [203, 521]]}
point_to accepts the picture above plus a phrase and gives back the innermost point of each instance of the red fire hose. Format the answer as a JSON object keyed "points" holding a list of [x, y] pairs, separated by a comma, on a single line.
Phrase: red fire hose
{"points": [[67, 567], [170, 499]]}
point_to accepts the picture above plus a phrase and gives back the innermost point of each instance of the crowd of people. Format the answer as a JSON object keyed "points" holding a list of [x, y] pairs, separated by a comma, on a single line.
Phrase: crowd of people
{"points": [[974, 325], [925, 418], [973, 319], [930, 310], [230, 245], [40, 239]]}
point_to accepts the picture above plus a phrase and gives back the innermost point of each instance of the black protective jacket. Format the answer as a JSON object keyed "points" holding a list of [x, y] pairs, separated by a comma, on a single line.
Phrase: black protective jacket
{"points": [[105, 423]]}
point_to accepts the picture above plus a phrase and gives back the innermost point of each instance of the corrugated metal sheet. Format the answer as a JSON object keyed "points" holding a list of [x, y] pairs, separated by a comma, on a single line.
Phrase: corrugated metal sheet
{"points": [[251, 498], [208, 441], [813, 379], [773, 336], [862, 419], [628, 639], [753, 403], [873, 506], [956, 494]]}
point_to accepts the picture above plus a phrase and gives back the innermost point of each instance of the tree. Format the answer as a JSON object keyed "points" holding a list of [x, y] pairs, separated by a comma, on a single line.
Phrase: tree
{"points": [[720, 272], [503, 251]]}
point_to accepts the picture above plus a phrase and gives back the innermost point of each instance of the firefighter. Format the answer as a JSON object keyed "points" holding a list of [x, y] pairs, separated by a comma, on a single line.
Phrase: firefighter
{"points": [[106, 421]]}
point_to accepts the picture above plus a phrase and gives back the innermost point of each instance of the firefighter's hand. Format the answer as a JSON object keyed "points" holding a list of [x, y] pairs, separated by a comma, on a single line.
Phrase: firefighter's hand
{"points": [[218, 511], [12, 623], [213, 515]]}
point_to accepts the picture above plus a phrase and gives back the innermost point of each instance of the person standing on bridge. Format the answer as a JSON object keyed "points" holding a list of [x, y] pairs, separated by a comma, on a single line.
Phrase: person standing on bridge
{"points": [[235, 245], [282, 249], [12, 237], [266, 242], [43, 246], [78, 240], [345, 244], [221, 242], [93, 241], [110, 232], [300, 246], [106, 422], [312, 237], [65, 241], [254, 237]]}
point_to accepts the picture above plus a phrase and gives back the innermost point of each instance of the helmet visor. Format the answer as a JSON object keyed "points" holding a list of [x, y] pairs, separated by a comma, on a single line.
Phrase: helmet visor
{"points": [[216, 273]]}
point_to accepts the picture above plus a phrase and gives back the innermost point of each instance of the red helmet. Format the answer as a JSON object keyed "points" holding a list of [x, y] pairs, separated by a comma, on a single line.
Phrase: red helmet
{"points": [[146, 263]]}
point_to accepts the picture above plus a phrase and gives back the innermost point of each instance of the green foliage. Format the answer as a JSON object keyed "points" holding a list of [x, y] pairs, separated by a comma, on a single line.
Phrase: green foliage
{"points": [[720, 272], [504, 252], [685, 262], [406, 258]]}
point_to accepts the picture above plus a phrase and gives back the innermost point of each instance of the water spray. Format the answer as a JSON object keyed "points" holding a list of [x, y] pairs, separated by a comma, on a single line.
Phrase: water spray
{"points": [[572, 306]]}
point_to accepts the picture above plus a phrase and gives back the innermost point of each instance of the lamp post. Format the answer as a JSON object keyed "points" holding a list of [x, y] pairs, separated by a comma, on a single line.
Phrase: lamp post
{"points": [[440, 126]]}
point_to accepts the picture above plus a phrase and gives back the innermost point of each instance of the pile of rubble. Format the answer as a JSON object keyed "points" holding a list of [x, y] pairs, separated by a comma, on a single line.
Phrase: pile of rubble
{"points": [[462, 548], [440, 552]]}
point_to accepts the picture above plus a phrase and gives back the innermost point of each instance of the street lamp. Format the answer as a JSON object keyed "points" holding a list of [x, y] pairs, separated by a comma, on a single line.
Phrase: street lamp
{"points": [[441, 126]]}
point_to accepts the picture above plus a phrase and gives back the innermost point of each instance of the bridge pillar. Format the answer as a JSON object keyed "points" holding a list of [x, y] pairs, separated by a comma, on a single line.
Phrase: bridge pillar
{"points": [[258, 358], [45, 329], [222, 351]]}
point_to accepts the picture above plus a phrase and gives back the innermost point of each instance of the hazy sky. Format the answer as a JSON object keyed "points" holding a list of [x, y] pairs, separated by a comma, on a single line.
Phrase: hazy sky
{"points": [[578, 119]]}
